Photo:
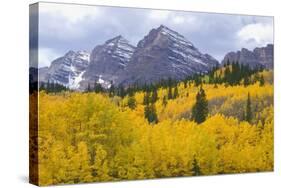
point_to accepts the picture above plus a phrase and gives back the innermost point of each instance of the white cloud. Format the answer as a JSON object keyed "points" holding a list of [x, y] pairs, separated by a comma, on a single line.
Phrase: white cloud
{"points": [[72, 13], [178, 20], [66, 21], [46, 56], [159, 14], [64, 27], [255, 34]]}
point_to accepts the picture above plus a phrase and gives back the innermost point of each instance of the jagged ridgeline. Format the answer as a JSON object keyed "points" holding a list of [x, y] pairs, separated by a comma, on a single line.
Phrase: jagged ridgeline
{"points": [[161, 55]]}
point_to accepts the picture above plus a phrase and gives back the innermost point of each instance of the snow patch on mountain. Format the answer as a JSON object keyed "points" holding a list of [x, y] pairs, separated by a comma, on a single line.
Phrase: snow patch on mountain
{"points": [[68, 69], [120, 48], [83, 55], [197, 60], [175, 36], [161, 54], [105, 84], [74, 82]]}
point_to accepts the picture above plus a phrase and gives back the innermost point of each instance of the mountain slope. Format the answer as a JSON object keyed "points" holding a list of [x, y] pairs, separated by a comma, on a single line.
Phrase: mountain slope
{"points": [[66, 70], [164, 54], [262, 56], [161, 54], [106, 60]]}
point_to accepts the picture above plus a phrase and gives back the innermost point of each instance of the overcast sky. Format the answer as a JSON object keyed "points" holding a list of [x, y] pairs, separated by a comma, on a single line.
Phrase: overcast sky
{"points": [[64, 27]]}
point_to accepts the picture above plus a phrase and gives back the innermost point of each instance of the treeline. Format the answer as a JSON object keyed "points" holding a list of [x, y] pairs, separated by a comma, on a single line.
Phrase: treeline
{"points": [[234, 73], [231, 73], [51, 87], [123, 91]]}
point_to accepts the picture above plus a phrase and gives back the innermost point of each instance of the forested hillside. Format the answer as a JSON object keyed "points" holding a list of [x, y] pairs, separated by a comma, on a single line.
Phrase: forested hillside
{"points": [[215, 123]]}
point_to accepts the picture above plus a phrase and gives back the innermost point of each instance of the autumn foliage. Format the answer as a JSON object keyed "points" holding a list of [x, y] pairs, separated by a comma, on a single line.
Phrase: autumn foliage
{"points": [[85, 137]]}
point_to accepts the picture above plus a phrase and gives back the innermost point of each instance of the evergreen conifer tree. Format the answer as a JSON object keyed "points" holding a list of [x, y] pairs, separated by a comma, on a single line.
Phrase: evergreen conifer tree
{"points": [[196, 168], [261, 81], [200, 108], [111, 89], [132, 102], [170, 93], [150, 113], [146, 98], [154, 96], [176, 92], [249, 115], [164, 101]]}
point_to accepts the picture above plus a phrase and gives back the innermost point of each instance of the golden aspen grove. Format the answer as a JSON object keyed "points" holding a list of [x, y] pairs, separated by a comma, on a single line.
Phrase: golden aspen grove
{"points": [[97, 136]]}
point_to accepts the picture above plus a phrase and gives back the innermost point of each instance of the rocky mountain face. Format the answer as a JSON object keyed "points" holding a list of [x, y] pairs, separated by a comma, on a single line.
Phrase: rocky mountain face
{"points": [[161, 54], [164, 54], [67, 70], [258, 57], [107, 60]]}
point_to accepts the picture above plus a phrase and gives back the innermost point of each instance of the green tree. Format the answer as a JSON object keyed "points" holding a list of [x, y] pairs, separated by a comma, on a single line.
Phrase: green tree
{"points": [[164, 101], [256, 78], [154, 96], [185, 83], [215, 86], [197, 80], [89, 89], [150, 113], [98, 88], [121, 91], [227, 75], [200, 108], [228, 62], [246, 81], [132, 101], [195, 168], [261, 81], [170, 93], [111, 89], [42, 87], [146, 98], [176, 92], [249, 115]]}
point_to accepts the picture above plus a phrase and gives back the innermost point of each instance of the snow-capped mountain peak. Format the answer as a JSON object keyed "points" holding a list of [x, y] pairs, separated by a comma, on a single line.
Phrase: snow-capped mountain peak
{"points": [[118, 39], [109, 58], [174, 36], [68, 69], [84, 55], [119, 48], [163, 53]]}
